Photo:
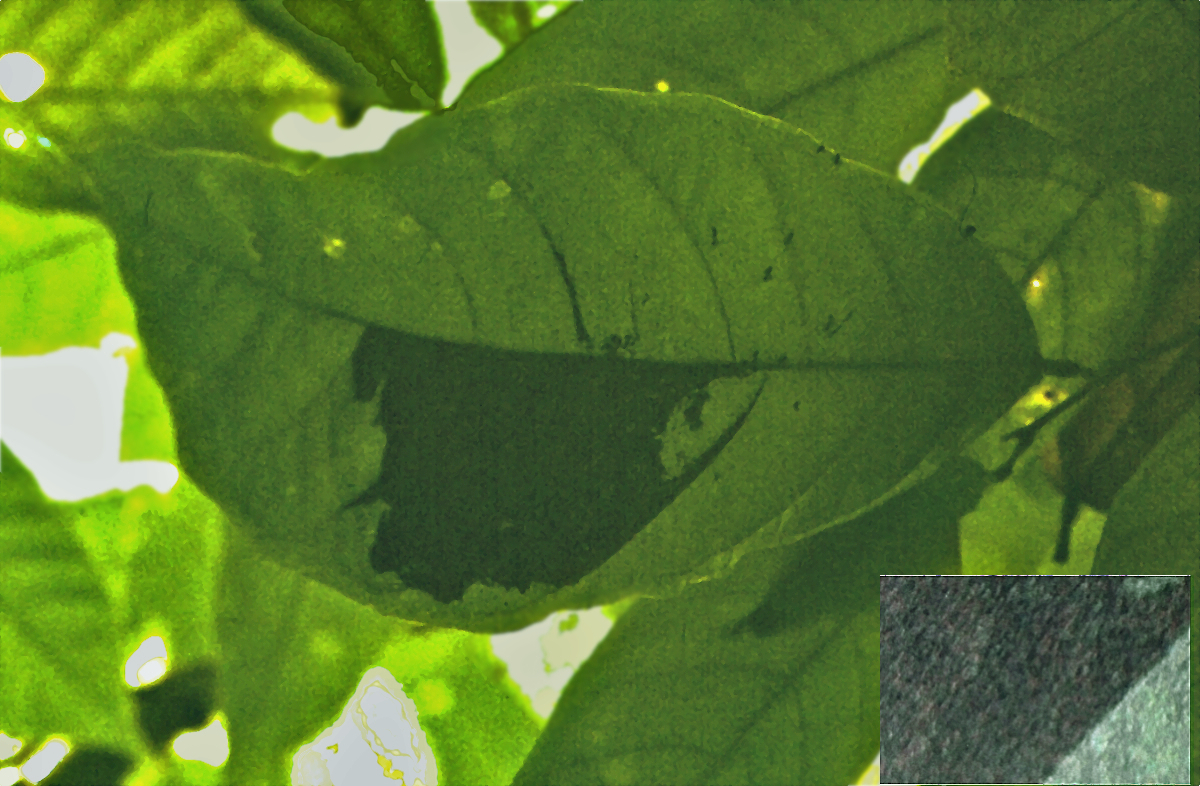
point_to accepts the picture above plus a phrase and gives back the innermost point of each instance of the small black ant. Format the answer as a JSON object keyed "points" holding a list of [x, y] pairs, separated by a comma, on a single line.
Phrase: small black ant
{"points": [[614, 343], [968, 230], [830, 330]]}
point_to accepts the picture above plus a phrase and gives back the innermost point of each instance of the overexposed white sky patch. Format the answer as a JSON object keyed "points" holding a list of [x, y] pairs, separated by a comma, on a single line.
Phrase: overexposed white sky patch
{"points": [[959, 113]]}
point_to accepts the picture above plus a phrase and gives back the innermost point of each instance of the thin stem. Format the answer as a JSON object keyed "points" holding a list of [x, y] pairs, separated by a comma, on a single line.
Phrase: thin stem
{"points": [[1026, 434]]}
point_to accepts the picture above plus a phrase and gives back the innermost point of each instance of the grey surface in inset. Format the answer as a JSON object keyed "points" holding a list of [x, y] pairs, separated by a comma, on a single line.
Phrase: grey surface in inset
{"points": [[1144, 739], [997, 679]]}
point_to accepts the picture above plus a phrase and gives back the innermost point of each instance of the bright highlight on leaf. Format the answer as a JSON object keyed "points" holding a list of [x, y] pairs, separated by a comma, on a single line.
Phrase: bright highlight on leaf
{"points": [[498, 190], [334, 247], [13, 138], [871, 775], [1037, 286]]}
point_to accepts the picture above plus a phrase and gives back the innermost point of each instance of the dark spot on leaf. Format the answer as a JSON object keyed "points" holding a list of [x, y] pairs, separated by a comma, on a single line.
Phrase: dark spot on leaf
{"points": [[767, 273], [352, 111], [831, 327], [837, 158], [821, 149], [90, 765], [695, 409], [970, 230], [796, 405], [714, 236], [787, 241]]}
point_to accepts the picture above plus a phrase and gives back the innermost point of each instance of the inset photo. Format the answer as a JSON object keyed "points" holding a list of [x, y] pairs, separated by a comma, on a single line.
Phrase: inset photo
{"points": [[1034, 679]]}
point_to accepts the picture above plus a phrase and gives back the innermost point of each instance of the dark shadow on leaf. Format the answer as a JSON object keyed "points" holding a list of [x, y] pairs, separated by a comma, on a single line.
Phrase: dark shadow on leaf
{"points": [[88, 766], [517, 467], [183, 701], [914, 532]]}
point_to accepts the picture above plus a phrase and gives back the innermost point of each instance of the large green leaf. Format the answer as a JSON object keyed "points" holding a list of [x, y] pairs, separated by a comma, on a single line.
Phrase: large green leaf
{"points": [[736, 284], [769, 672]]}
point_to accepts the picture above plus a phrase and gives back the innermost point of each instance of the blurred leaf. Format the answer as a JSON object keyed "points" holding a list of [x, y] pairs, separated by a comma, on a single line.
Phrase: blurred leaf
{"points": [[173, 579], [398, 41], [1115, 80], [177, 74], [508, 22], [359, 88], [294, 651], [59, 284], [1096, 253], [1151, 527], [59, 642]]}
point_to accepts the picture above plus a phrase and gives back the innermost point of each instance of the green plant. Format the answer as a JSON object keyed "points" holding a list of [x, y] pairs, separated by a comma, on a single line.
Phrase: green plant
{"points": [[796, 369]]}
